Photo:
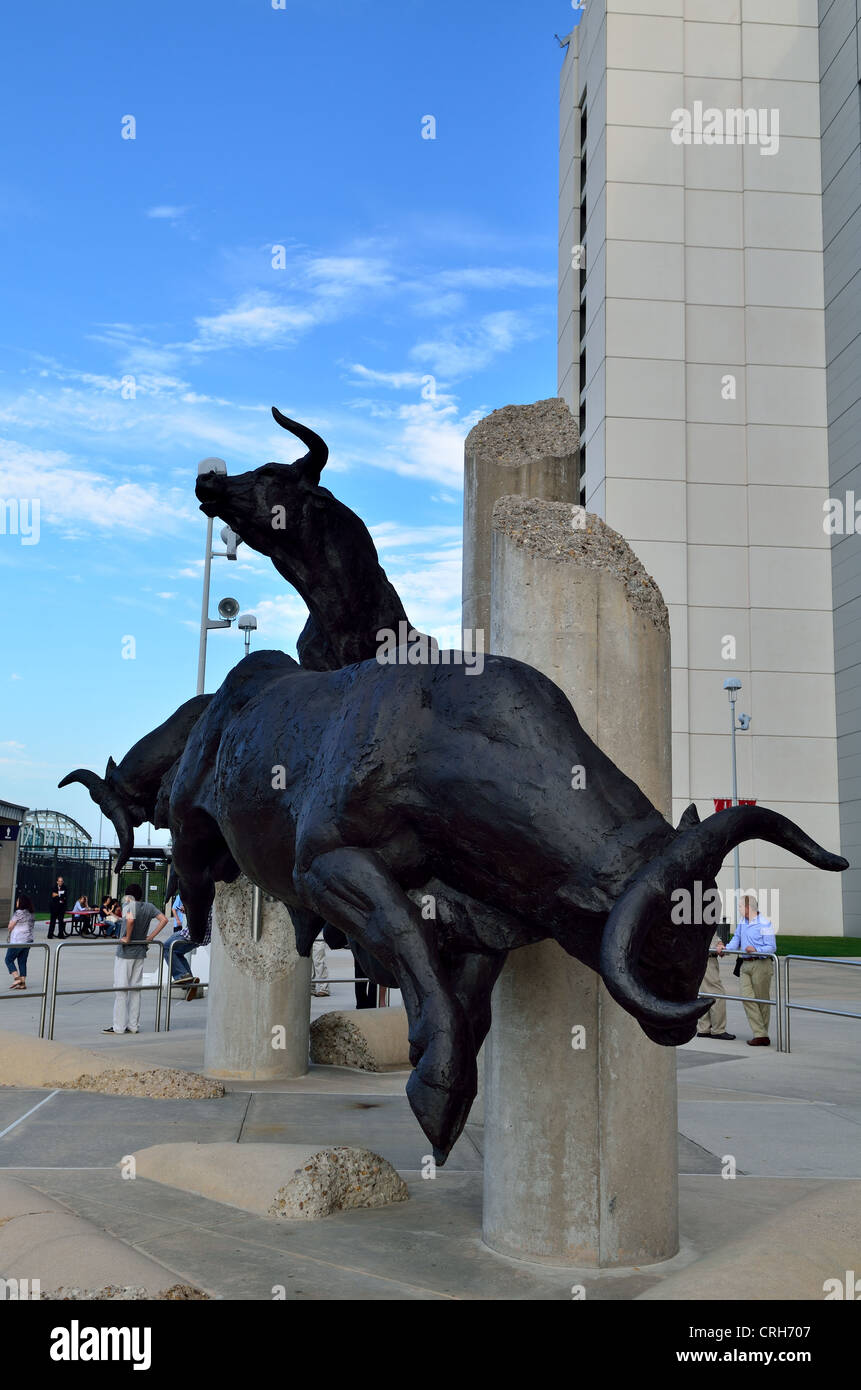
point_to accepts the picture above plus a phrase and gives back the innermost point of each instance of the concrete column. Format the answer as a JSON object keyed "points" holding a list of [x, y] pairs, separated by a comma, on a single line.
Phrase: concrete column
{"points": [[580, 1144], [260, 991], [532, 450], [529, 450]]}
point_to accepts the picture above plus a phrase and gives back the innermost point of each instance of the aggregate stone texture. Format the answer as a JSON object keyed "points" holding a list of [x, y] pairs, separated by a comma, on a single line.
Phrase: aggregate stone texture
{"points": [[336, 1041], [338, 1179], [46, 1063], [516, 433], [159, 1083], [179, 1293], [275, 953], [560, 531]]}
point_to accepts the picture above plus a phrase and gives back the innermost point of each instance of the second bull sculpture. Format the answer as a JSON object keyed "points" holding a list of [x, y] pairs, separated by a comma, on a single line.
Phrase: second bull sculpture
{"points": [[429, 816], [360, 797]]}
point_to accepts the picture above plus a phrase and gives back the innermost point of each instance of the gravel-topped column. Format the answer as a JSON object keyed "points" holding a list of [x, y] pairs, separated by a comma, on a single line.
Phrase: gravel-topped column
{"points": [[534, 451], [531, 450], [259, 1016], [580, 1107]]}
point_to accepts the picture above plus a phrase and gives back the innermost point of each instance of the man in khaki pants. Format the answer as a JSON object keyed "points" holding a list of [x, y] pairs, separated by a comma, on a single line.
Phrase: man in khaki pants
{"points": [[754, 935], [713, 1024]]}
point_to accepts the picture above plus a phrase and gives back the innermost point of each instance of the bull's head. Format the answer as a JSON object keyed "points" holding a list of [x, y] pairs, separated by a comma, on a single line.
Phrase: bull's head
{"points": [[654, 967], [136, 790], [114, 801], [267, 504]]}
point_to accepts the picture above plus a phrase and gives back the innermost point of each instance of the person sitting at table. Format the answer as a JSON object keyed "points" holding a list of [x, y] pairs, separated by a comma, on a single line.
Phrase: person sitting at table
{"points": [[81, 912], [113, 918]]}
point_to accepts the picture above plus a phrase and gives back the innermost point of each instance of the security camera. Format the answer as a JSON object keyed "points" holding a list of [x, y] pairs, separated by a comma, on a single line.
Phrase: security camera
{"points": [[231, 541]]}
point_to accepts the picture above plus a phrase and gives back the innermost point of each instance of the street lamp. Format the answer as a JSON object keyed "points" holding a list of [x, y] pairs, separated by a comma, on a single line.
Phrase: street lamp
{"points": [[247, 624], [732, 686], [231, 542]]}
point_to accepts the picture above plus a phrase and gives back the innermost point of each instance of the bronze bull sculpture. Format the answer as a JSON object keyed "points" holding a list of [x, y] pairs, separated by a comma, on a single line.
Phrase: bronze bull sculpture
{"points": [[361, 796]]}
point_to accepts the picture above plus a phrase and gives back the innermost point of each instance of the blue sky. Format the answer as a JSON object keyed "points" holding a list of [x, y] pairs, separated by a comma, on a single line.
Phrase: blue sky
{"points": [[150, 261]]}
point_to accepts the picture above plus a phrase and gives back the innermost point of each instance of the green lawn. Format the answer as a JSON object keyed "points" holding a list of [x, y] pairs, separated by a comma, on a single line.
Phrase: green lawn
{"points": [[818, 945]]}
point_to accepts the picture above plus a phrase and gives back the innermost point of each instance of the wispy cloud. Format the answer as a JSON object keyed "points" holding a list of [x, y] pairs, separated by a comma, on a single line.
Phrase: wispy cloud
{"points": [[399, 381], [496, 278], [460, 352], [257, 320], [167, 212], [72, 495]]}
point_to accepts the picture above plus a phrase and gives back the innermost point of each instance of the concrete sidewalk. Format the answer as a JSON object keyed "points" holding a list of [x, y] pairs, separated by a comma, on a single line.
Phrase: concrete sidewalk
{"points": [[790, 1126]]}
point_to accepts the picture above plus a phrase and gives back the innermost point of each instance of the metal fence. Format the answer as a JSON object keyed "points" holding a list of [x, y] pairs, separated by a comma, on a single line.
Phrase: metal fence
{"points": [[775, 1003], [782, 1002], [88, 944], [36, 993], [87, 872], [38, 871], [812, 1008]]}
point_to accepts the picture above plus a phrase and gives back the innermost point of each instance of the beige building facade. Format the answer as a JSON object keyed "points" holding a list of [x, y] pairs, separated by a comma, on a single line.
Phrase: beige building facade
{"points": [[692, 349]]}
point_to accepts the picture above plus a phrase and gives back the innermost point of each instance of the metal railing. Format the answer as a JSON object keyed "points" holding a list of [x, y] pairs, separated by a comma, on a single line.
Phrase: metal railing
{"points": [[813, 1008], [383, 991], [198, 985], [34, 993], [775, 1003], [87, 943], [782, 1002]]}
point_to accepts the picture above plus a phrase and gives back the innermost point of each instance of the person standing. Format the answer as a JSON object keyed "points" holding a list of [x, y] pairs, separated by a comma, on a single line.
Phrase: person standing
{"points": [[58, 909], [21, 929], [754, 936], [131, 953], [320, 969], [713, 1024]]}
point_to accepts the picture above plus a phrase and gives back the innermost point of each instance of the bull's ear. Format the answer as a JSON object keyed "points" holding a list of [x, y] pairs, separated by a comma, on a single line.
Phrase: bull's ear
{"points": [[690, 818], [111, 767]]}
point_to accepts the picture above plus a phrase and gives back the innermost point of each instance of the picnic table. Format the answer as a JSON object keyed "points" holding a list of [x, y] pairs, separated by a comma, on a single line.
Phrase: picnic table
{"points": [[84, 923]]}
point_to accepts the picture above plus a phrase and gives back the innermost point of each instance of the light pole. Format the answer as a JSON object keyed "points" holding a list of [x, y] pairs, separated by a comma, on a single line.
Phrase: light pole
{"points": [[231, 541], [732, 686]]}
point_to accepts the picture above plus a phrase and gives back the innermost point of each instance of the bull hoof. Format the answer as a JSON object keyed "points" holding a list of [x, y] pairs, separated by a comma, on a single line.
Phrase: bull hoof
{"points": [[441, 1103]]}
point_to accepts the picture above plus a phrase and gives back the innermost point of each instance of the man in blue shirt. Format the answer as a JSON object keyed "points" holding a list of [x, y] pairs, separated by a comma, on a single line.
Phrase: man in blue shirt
{"points": [[754, 935]]}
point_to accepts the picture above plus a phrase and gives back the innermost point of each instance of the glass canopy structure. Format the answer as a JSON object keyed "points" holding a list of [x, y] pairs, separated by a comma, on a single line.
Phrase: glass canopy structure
{"points": [[51, 830]]}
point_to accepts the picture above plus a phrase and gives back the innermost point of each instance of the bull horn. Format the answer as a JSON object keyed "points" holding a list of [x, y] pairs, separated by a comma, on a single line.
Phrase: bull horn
{"points": [[95, 785], [314, 461], [696, 853], [107, 799], [624, 935]]}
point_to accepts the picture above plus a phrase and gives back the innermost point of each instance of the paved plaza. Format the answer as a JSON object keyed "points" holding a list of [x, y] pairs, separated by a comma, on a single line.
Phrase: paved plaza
{"points": [[791, 1124]]}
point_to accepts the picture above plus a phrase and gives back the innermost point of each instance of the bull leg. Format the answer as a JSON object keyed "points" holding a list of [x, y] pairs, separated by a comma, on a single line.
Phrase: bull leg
{"points": [[473, 976], [306, 928], [196, 886], [354, 890]]}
